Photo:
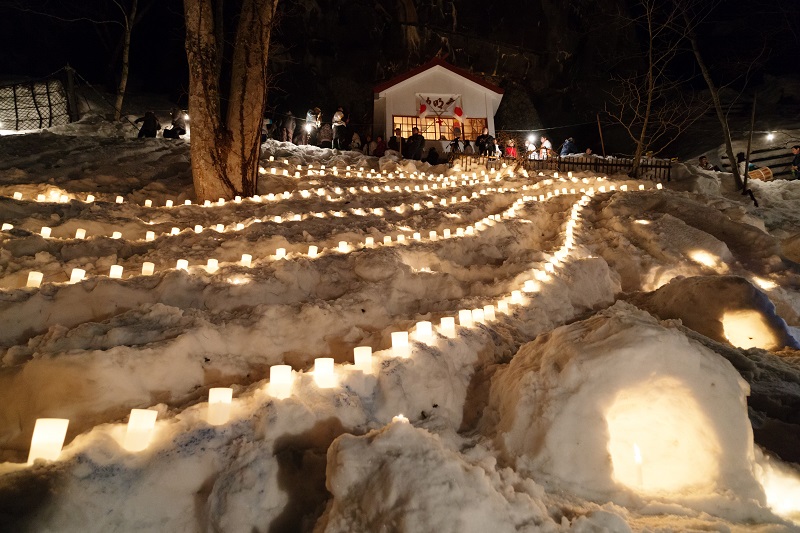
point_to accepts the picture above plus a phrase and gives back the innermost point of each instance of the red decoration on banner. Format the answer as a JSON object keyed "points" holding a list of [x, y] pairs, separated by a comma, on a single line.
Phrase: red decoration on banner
{"points": [[422, 108], [458, 111]]}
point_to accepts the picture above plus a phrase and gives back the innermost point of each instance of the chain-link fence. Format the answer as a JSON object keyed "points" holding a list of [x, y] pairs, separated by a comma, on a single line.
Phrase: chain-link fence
{"points": [[34, 105]]}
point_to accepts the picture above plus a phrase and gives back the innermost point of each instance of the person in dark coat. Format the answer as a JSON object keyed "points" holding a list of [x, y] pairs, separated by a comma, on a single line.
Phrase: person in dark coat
{"points": [[796, 162], [396, 142], [484, 142], [433, 156], [568, 147], [339, 130], [150, 125], [416, 143], [287, 128], [178, 125], [380, 146]]}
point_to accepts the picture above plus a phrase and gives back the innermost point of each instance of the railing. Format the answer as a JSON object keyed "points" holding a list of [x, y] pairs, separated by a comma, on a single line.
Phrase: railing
{"points": [[649, 168]]}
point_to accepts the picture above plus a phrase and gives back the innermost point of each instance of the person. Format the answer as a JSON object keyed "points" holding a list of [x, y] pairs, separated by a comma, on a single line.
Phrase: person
{"points": [[312, 126], [325, 136], [455, 145], [287, 128], [484, 142], [178, 125], [494, 149], [415, 144], [588, 152], [396, 142], [796, 162], [705, 165], [380, 146], [433, 156], [339, 128], [568, 147], [467, 146], [740, 162], [511, 149], [355, 141], [266, 129], [150, 125], [369, 145], [546, 148]]}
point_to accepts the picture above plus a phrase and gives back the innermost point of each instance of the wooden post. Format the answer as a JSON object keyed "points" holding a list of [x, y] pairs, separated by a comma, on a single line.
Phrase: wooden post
{"points": [[600, 129], [749, 144], [72, 102]]}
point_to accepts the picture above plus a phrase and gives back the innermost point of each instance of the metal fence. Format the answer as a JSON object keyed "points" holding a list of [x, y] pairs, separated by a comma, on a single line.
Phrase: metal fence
{"points": [[655, 169], [33, 105]]}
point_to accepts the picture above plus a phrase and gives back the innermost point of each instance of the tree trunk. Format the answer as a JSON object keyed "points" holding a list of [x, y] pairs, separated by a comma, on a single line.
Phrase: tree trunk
{"points": [[126, 49], [225, 150], [726, 132], [641, 143]]}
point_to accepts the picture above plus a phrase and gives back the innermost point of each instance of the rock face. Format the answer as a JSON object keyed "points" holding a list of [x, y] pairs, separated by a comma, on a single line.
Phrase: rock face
{"points": [[620, 403]]}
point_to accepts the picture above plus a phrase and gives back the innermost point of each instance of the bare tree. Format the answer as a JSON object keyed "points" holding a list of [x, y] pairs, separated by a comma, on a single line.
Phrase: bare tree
{"points": [[226, 125], [650, 105]]}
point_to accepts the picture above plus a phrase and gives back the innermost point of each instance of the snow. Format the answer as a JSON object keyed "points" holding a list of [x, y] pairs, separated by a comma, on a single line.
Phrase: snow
{"points": [[622, 317]]}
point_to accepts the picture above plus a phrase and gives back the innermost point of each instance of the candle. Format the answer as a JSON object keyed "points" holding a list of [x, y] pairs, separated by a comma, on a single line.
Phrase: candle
{"points": [[174, 231], [63, 198], [343, 246], [446, 233], [198, 228], [46, 232], [502, 306], [488, 312], [220, 228], [149, 236], [530, 286], [182, 264], [148, 203], [80, 233], [400, 419], [221, 201], [246, 260], [313, 251], [239, 226], [416, 236], [148, 268], [115, 272], [324, 375], [77, 275], [141, 424], [280, 381], [424, 330], [516, 297], [400, 346], [387, 239], [369, 242], [219, 405], [465, 317], [401, 238], [280, 253], [34, 279], [89, 198], [658, 186], [187, 202], [169, 203], [207, 203], [17, 196], [432, 235], [447, 327], [48, 439], [362, 357], [477, 316], [212, 266], [41, 198], [120, 199]]}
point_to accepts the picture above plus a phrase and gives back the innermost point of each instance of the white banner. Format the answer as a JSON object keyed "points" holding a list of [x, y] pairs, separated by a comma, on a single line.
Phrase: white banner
{"points": [[437, 104]]}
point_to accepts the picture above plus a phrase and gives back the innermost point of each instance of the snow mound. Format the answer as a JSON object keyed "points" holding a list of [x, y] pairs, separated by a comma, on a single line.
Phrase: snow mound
{"points": [[724, 308], [405, 479], [620, 404]]}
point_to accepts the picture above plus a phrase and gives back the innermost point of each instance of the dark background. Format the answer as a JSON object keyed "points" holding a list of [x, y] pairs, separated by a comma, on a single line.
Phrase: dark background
{"points": [[554, 59]]}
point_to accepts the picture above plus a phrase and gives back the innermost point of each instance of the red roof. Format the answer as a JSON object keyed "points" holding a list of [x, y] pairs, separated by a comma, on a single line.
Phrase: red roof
{"points": [[430, 64]]}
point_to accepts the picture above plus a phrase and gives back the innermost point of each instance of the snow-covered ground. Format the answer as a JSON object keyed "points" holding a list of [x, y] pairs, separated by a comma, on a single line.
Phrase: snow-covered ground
{"points": [[607, 336]]}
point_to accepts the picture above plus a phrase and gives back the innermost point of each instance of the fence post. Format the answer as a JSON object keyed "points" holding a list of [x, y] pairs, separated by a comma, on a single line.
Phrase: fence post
{"points": [[16, 107], [72, 102]]}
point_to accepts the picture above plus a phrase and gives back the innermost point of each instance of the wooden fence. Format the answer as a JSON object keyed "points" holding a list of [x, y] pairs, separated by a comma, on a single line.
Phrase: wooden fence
{"points": [[655, 169]]}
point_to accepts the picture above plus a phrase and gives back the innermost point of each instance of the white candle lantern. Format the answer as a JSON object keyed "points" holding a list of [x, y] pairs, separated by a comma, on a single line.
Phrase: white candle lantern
{"points": [[89, 198], [148, 268], [369, 242], [530, 286], [280, 381], [488, 312], [502, 306], [6, 226], [447, 327], [220, 228], [237, 199], [48, 439], [465, 318], [34, 279], [239, 226], [207, 203], [400, 346], [115, 272], [141, 424], [221, 201], [423, 331], [401, 238], [41, 198], [246, 260], [63, 198], [169, 203], [148, 203], [174, 231], [343, 247], [120, 199], [516, 297], [446, 233], [658, 186], [313, 251], [280, 253], [387, 239], [46, 232], [17, 196], [478, 316], [416, 236], [362, 358], [432, 235], [80, 233], [76, 275], [149, 236], [324, 375], [212, 266], [187, 202], [198, 228], [182, 264], [219, 405]]}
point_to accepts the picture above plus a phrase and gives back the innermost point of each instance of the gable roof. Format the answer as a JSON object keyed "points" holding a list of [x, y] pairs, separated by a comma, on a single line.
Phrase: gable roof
{"points": [[437, 61]]}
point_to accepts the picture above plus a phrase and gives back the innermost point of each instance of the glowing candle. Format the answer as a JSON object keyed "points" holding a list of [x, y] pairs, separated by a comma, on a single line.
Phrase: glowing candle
{"points": [[141, 424], [198, 228], [169, 203], [530, 286], [400, 419], [187, 202], [221, 201], [401, 238], [387, 239], [115, 272], [246, 260], [312, 251], [212, 266], [641, 187], [220, 228], [148, 268], [280, 381], [237, 199], [432, 235], [447, 327], [80, 233], [423, 331], [446, 233], [416, 236], [48, 439], [219, 405], [324, 375], [488, 312], [343, 247], [465, 318], [207, 203], [516, 297], [174, 231], [77, 275], [17, 196], [63, 198], [149, 236], [34, 279], [400, 346], [502, 306], [478, 316], [362, 357], [182, 264], [658, 186], [41, 198], [280, 253], [120, 199], [46, 232]]}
